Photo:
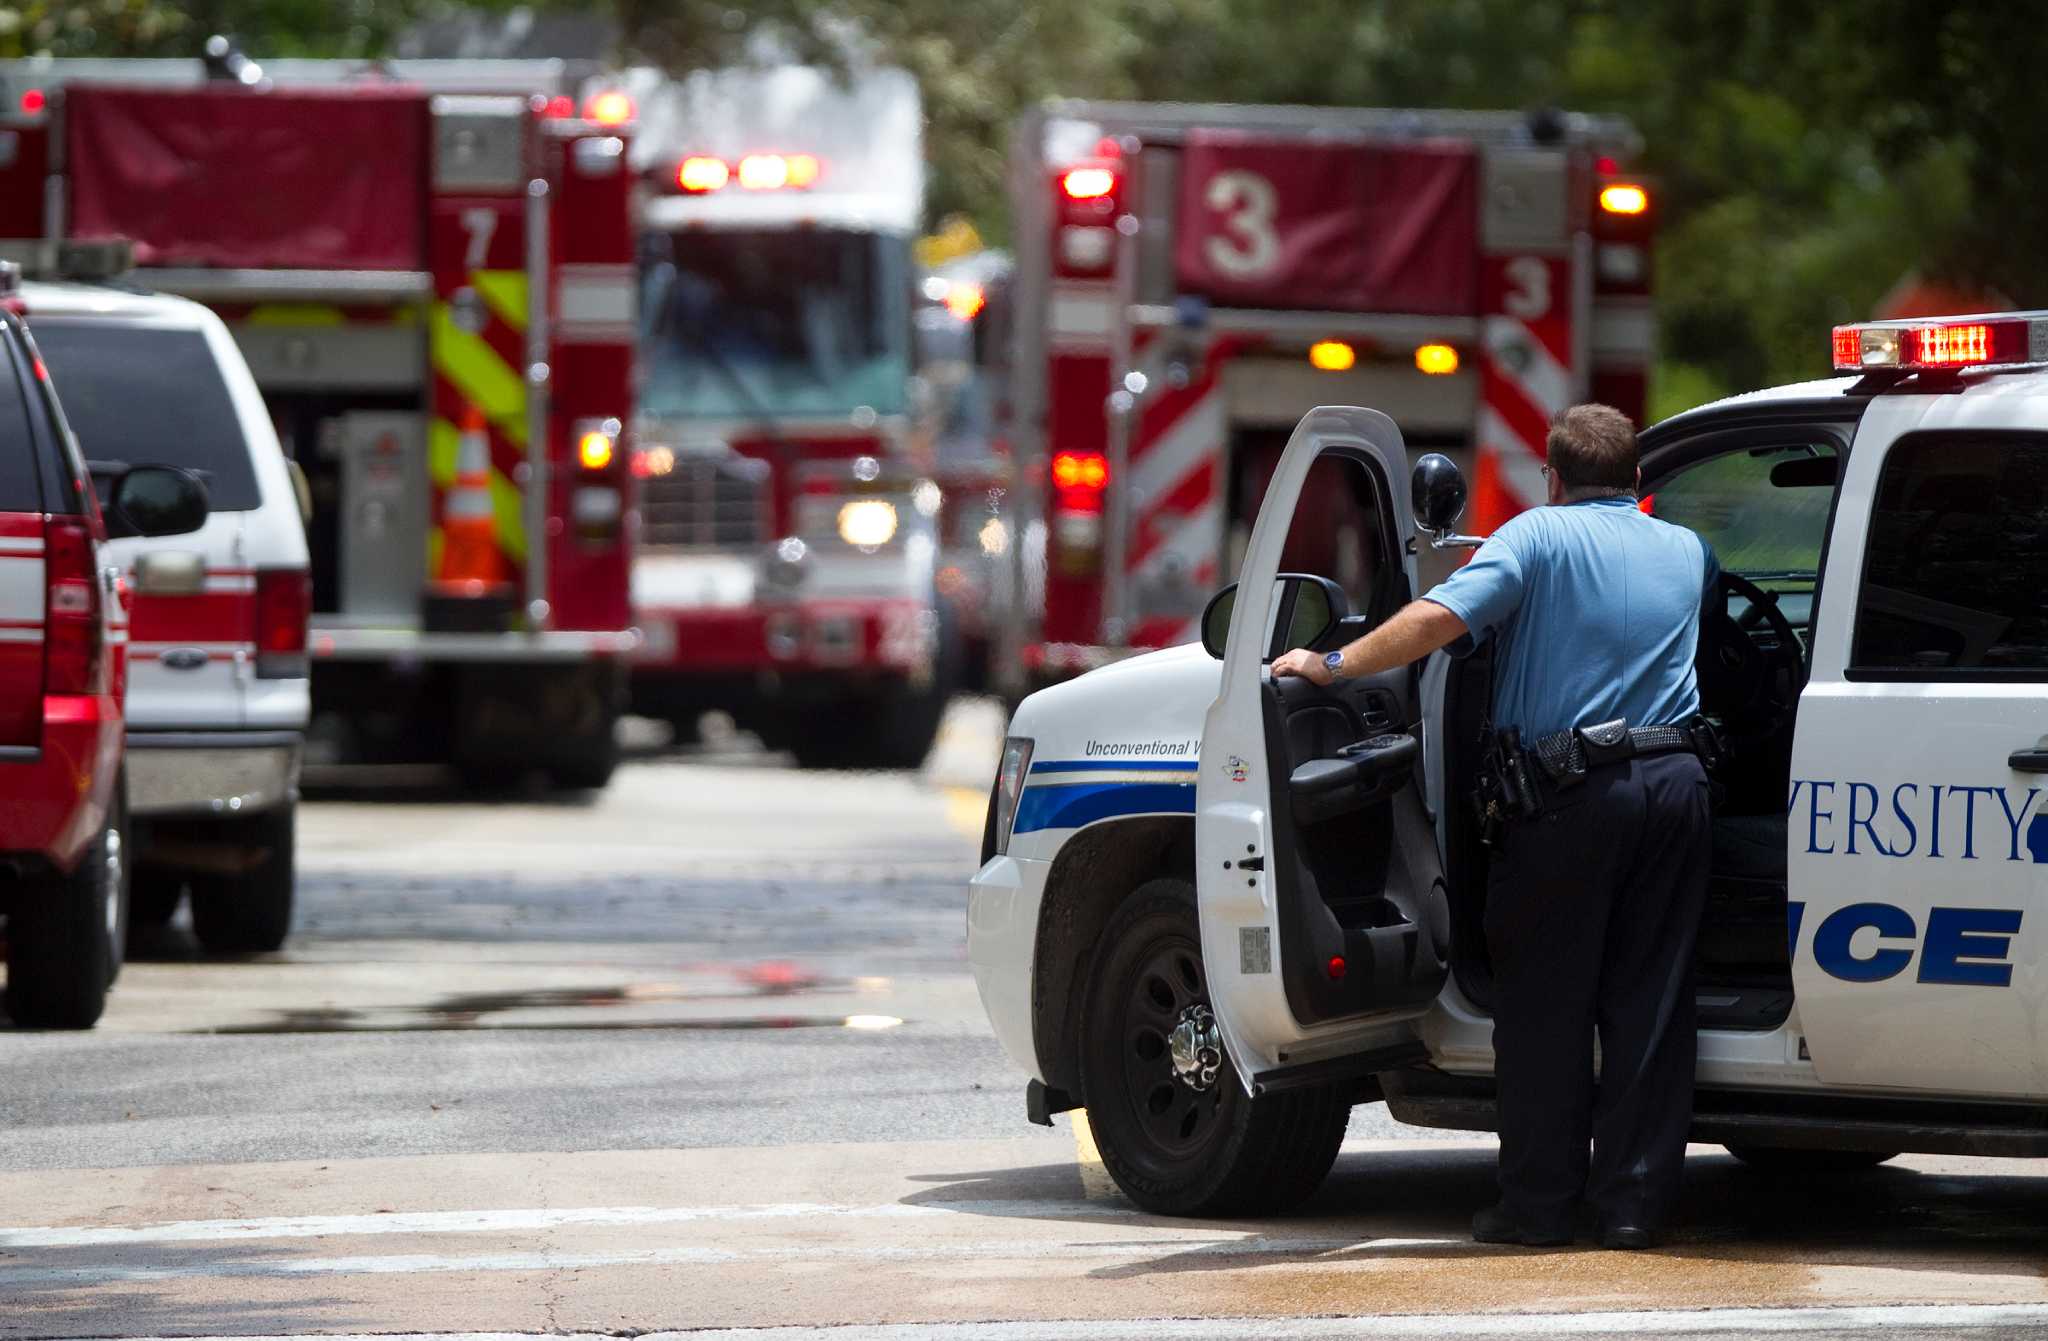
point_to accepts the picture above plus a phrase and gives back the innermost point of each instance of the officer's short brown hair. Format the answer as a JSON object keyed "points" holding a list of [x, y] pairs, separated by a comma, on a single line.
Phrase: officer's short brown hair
{"points": [[1593, 447]]}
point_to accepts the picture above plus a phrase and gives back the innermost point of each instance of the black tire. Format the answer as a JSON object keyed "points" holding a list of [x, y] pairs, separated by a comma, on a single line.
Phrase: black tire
{"points": [[685, 729], [895, 733], [66, 934], [1173, 1148], [250, 910], [153, 897], [589, 768], [1784, 1159]]}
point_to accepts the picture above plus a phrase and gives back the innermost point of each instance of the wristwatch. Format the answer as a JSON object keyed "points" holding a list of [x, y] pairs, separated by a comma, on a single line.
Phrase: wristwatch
{"points": [[1333, 662]]}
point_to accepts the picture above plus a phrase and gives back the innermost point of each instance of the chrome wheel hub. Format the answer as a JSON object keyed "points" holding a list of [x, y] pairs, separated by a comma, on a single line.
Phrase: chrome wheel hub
{"points": [[1196, 1047]]}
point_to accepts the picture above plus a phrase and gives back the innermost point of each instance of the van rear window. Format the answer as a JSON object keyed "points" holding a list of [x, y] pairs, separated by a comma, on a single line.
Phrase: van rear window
{"points": [[148, 395], [19, 488]]}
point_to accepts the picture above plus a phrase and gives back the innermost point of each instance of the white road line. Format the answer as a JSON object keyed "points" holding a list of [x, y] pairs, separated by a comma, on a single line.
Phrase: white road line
{"points": [[508, 1221], [1662, 1322], [1180, 1250]]}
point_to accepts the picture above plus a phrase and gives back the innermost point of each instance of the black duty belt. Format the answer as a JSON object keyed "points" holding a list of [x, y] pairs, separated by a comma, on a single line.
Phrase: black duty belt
{"points": [[1566, 756]]}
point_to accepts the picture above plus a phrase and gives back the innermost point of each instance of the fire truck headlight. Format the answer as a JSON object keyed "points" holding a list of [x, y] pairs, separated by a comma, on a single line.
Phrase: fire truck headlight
{"points": [[995, 538], [926, 498], [867, 523]]}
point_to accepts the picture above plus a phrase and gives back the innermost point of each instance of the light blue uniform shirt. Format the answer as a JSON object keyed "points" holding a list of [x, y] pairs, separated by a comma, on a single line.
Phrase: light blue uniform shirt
{"points": [[1594, 610]]}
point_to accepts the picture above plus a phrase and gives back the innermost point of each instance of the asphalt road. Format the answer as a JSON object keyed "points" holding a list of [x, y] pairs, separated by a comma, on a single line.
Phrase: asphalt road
{"points": [[702, 1052]]}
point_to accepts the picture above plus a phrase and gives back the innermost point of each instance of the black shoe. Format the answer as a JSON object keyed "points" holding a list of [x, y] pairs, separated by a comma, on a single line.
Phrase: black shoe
{"points": [[1496, 1225], [1626, 1238]]}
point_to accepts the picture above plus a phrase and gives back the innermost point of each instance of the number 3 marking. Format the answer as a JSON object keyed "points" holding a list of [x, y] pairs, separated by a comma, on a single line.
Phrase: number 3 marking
{"points": [[1528, 295], [1248, 203]]}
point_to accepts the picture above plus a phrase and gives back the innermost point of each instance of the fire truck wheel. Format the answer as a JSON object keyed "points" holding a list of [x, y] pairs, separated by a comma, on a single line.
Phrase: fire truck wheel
{"points": [[65, 936], [1782, 1159], [894, 733], [249, 910], [589, 769], [1175, 1127]]}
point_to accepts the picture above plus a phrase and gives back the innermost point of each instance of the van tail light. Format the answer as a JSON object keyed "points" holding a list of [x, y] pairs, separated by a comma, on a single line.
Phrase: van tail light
{"points": [[75, 644], [284, 602]]}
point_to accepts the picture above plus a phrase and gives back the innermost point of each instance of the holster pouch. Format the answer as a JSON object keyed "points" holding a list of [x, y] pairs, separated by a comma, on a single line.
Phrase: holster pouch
{"points": [[1605, 742]]}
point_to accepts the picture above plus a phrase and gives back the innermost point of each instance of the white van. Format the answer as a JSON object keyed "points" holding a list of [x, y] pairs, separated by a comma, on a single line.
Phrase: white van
{"points": [[217, 672]]}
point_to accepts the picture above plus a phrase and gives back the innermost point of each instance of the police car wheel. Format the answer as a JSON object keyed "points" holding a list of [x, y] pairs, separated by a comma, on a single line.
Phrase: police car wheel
{"points": [[1174, 1125], [1782, 1159]]}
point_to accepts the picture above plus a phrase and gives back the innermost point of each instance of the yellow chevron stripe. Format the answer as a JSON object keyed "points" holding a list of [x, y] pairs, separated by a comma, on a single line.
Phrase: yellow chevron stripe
{"points": [[295, 314], [504, 292], [444, 444], [508, 511], [485, 380]]}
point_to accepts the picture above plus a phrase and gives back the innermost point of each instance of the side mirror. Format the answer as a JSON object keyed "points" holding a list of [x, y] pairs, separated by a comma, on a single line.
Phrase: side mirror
{"points": [[1308, 608], [1436, 491], [155, 500]]}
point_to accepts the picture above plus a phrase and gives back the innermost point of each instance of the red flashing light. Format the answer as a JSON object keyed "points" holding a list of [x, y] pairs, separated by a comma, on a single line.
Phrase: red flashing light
{"points": [[764, 172], [1624, 198], [1088, 183], [560, 107], [1606, 165], [1935, 343], [1081, 470], [33, 101], [700, 175], [1950, 346], [804, 170], [609, 108], [1337, 968]]}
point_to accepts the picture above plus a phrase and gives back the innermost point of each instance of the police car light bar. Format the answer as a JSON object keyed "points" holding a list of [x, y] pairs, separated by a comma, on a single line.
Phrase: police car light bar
{"points": [[1942, 342]]}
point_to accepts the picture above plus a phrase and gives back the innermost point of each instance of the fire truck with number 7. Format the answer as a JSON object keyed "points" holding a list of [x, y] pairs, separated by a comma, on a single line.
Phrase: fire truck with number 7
{"points": [[1192, 279], [428, 267]]}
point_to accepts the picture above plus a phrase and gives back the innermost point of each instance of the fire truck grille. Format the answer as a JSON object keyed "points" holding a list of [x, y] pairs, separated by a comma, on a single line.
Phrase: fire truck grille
{"points": [[707, 503]]}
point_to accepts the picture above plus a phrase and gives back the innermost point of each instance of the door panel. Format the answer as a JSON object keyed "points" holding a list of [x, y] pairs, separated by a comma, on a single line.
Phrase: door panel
{"points": [[1917, 843], [1320, 887]]}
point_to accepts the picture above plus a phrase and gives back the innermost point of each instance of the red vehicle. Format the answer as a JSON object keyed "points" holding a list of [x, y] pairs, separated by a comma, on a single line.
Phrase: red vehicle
{"points": [[1191, 280], [428, 267], [63, 680], [787, 569]]}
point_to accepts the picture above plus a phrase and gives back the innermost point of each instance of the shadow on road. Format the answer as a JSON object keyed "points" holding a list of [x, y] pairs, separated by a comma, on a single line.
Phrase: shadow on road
{"points": [[1736, 1228]]}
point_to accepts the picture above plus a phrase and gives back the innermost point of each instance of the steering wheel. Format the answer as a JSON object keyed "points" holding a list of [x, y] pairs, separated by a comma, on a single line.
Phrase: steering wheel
{"points": [[1751, 668]]}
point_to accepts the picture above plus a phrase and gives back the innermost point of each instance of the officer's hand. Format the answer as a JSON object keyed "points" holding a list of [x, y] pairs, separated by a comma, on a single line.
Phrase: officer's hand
{"points": [[1308, 665]]}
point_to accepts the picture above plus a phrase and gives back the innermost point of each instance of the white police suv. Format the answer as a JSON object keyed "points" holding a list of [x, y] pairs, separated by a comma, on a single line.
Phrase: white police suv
{"points": [[1219, 909]]}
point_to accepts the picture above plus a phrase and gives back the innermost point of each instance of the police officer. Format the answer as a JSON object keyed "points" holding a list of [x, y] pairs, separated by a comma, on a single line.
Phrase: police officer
{"points": [[1596, 888]]}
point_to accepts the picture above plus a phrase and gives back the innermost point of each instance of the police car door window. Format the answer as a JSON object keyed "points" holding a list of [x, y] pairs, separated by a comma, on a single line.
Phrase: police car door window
{"points": [[1339, 531], [1957, 560], [1758, 508]]}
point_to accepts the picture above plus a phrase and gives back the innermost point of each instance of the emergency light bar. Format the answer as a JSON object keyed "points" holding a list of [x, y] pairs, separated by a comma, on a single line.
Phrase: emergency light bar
{"points": [[700, 175], [1942, 342]]}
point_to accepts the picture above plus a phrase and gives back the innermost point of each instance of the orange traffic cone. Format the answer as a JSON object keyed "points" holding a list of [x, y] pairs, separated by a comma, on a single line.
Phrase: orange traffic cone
{"points": [[471, 563]]}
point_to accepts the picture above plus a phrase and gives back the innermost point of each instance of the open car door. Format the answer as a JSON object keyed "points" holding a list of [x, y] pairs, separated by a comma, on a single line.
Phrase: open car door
{"points": [[1324, 916]]}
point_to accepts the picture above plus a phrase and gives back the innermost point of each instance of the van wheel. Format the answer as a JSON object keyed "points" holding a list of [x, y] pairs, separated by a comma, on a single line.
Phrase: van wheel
{"points": [[1175, 1127], [588, 767], [249, 911], [1783, 1159], [66, 935]]}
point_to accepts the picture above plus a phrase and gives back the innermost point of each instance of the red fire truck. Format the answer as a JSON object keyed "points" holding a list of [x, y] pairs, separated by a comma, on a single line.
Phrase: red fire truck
{"points": [[786, 570], [428, 266], [1191, 280]]}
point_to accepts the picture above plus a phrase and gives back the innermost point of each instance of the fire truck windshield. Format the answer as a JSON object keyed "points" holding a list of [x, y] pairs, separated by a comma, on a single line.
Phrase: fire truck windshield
{"points": [[774, 324]]}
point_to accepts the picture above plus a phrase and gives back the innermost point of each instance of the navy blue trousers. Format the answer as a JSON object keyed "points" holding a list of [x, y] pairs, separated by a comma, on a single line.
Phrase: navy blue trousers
{"points": [[1592, 915]]}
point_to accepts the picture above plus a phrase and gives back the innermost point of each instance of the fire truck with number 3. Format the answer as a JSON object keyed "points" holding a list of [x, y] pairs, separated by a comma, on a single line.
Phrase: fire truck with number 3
{"points": [[428, 266], [1192, 279]]}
